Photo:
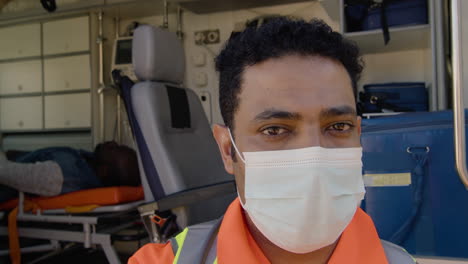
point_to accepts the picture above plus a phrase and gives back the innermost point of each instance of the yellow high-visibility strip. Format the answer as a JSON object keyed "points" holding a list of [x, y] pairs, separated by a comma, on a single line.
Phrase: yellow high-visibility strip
{"points": [[180, 238], [81, 209], [216, 261], [387, 179], [415, 261]]}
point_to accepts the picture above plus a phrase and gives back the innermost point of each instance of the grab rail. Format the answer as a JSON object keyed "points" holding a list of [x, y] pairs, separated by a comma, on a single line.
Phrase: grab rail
{"points": [[458, 104], [102, 86]]}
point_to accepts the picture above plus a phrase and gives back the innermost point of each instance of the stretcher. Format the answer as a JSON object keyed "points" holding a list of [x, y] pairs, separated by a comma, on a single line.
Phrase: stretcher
{"points": [[100, 213]]}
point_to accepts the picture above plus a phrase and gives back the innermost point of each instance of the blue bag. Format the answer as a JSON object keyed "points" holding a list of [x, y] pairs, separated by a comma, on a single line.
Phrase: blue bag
{"points": [[364, 15], [396, 97], [414, 194], [403, 12]]}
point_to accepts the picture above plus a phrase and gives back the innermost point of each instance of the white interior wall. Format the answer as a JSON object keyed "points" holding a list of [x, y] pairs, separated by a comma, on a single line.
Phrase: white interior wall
{"points": [[401, 66]]}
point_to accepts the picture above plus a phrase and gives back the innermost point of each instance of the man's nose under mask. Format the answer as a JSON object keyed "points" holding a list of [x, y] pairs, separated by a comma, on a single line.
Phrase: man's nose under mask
{"points": [[302, 199]]}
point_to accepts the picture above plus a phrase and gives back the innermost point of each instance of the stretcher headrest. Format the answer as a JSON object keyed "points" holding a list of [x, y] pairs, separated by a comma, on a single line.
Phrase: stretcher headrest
{"points": [[157, 55]]}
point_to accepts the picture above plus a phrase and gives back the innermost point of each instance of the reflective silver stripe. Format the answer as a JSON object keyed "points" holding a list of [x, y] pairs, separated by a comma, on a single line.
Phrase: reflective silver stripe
{"points": [[200, 242], [213, 253], [396, 254], [174, 245]]}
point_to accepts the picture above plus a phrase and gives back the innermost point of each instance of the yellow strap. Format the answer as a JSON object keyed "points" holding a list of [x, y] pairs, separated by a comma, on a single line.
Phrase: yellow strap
{"points": [[80, 209], [180, 238], [216, 261], [13, 237]]}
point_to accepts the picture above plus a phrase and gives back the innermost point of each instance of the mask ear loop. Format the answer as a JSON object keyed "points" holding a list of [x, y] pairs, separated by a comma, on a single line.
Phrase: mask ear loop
{"points": [[235, 147], [238, 153]]}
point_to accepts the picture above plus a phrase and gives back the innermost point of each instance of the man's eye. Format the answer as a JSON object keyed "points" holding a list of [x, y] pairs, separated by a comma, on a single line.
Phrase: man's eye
{"points": [[341, 127], [274, 131]]}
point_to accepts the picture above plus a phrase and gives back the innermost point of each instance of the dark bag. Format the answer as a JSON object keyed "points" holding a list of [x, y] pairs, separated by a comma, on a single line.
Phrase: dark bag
{"points": [[364, 15], [394, 97], [407, 12]]}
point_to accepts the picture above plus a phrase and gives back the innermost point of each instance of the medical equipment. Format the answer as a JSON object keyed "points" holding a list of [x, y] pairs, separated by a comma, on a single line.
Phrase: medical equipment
{"points": [[122, 57]]}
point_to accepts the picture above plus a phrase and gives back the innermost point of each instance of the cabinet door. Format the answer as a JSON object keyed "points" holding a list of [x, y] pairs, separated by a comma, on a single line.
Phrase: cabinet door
{"points": [[20, 41], [20, 77], [67, 73], [23, 113], [68, 111], [67, 35]]}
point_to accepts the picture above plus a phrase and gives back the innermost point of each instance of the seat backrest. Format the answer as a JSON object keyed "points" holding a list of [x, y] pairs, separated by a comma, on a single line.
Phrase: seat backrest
{"points": [[176, 147]]}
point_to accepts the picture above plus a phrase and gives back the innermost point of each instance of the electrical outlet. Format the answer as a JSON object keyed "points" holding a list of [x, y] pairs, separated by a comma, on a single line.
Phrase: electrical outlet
{"points": [[200, 37], [212, 36], [205, 37]]}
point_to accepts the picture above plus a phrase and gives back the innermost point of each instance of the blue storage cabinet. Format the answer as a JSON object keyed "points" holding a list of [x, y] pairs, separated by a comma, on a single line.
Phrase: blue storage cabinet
{"points": [[441, 225]]}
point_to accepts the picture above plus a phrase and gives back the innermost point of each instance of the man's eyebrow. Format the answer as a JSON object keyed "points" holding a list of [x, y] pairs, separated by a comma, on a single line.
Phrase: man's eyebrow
{"points": [[277, 114], [338, 111]]}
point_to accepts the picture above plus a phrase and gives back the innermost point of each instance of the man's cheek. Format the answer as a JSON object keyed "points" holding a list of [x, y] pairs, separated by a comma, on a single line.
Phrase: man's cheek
{"points": [[239, 174]]}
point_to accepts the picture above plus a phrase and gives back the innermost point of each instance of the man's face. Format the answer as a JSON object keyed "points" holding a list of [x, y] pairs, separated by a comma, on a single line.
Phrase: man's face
{"points": [[288, 103]]}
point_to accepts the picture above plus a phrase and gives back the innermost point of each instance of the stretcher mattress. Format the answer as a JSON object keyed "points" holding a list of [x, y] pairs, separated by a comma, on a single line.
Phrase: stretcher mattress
{"points": [[97, 196]]}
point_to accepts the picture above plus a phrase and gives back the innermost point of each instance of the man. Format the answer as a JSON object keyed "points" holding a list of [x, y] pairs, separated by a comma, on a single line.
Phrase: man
{"points": [[60, 170], [292, 140]]}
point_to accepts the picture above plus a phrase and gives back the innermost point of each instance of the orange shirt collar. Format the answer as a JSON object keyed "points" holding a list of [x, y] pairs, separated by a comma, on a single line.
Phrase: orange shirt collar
{"points": [[359, 243]]}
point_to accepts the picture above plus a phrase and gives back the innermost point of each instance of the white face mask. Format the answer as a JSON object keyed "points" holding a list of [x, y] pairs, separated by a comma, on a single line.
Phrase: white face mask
{"points": [[302, 199]]}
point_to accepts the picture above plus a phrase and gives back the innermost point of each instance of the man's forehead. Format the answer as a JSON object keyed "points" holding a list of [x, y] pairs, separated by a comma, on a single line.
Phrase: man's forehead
{"points": [[293, 83]]}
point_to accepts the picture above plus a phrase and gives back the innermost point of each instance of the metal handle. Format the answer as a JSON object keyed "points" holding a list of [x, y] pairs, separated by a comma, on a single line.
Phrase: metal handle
{"points": [[458, 106], [166, 15], [102, 87]]}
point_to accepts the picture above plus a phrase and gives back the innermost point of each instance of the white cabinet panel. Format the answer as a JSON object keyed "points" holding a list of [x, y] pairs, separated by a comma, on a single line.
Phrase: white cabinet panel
{"points": [[68, 35], [68, 111], [20, 41], [67, 73], [20, 77], [21, 113]]}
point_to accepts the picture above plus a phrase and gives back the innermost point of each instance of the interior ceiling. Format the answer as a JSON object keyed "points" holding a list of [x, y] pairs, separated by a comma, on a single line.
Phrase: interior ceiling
{"points": [[22, 10], [210, 6], [139, 9], [196, 6]]}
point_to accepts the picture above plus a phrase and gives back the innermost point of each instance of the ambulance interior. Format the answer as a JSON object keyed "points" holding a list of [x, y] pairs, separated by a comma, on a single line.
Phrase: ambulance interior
{"points": [[77, 73]]}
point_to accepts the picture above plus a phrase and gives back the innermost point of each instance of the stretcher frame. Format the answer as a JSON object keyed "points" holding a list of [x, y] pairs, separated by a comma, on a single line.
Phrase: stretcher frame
{"points": [[181, 199], [89, 236]]}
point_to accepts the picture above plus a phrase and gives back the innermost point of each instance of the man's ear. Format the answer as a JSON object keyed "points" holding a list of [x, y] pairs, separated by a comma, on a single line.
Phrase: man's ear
{"points": [[221, 135]]}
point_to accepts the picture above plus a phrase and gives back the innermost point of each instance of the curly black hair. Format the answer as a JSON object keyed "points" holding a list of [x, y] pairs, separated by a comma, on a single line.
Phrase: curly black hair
{"points": [[276, 38]]}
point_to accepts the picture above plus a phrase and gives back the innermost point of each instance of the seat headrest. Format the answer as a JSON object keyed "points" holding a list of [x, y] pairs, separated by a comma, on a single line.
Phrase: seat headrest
{"points": [[157, 55]]}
